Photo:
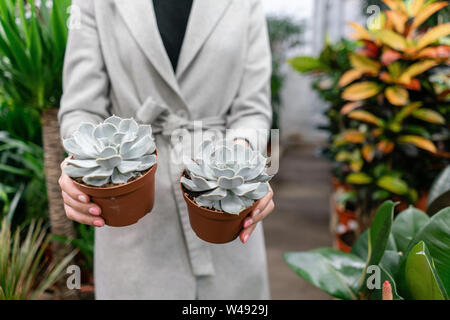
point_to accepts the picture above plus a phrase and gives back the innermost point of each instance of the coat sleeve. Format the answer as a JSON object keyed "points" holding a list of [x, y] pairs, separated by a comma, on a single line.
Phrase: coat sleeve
{"points": [[250, 115], [85, 80]]}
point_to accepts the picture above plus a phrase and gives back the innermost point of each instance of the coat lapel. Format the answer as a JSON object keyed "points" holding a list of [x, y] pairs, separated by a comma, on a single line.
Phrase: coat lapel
{"points": [[141, 20], [205, 14]]}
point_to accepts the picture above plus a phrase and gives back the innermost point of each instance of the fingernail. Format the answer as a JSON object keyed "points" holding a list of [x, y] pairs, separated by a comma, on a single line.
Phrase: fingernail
{"points": [[83, 199], [94, 211], [248, 223], [98, 223], [256, 212], [246, 238]]}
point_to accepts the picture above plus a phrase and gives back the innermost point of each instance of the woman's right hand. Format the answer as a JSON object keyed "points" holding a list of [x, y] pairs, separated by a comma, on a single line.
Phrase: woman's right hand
{"points": [[77, 204]]}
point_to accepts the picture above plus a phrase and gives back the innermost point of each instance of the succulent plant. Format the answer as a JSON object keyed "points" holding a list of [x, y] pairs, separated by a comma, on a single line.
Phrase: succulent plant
{"points": [[228, 176], [111, 152]]}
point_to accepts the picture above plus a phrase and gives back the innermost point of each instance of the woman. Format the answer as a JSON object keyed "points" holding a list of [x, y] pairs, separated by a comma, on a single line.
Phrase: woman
{"points": [[168, 63]]}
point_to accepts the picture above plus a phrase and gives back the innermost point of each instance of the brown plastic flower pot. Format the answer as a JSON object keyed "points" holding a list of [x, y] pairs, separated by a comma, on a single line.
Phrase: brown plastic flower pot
{"points": [[213, 226], [126, 204]]}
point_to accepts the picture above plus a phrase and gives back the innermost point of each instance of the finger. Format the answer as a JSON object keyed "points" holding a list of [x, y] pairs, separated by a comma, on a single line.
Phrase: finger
{"points": [[265, 212], [261, 216], [86, 208], [255, 216], [67, 185], [262, 203], [74, 215], [246, 233]]}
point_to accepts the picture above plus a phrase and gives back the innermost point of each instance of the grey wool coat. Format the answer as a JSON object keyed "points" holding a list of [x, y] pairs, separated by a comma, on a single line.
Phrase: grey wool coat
{"points": [[116, 63]]}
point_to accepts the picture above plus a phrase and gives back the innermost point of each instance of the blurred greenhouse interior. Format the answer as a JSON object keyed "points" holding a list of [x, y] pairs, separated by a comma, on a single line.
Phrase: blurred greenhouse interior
{"points": [[360, 94]]}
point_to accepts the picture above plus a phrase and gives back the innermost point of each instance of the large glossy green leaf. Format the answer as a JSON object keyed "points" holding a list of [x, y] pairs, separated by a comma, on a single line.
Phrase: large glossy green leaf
{"points": [[439, 196], [361, 246], [391, 263], [379, 232], [378, 238], [436, 235], [335, 272], [407, 225], [421, 279]]}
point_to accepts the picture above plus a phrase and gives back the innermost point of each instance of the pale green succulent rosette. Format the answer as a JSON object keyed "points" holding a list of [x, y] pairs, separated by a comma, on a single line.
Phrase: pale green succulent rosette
{"points": [[111, 152], [229, 176]]}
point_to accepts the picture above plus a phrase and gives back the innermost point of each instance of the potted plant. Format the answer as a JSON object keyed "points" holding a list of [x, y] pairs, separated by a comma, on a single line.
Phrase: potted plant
{"points": [[389, 110], [220, 186], [114, 163], [409, 255]]}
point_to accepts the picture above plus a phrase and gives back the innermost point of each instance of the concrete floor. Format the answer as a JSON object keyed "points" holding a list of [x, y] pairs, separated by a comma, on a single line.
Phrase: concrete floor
{"points": [[300, 221]]}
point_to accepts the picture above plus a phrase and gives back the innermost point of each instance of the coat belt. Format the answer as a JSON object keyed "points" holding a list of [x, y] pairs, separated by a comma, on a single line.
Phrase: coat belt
{"points": [[164, 122]]}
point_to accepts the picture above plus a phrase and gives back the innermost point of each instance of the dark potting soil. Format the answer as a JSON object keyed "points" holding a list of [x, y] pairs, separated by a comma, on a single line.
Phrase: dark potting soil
{"points": [[109, 185], [349, 238]]}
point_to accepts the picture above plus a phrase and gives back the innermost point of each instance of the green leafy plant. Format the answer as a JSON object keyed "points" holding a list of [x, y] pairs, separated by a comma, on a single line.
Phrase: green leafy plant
{"points": [[24, 273], [33, 37], [326, 70], [390, 106], [22, 173], [32, 45], [412, 253], [84, 242], [285, 33]]}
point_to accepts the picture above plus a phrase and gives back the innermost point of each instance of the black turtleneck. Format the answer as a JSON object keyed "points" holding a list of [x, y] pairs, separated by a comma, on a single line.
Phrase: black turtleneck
{"points": [[172, 17]]}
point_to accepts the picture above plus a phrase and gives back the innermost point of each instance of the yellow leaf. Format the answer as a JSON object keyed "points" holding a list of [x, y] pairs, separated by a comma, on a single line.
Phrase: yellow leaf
{"points": [[393, 184], [349, 77], [361, 32], [361, 91], [427, 12], [407, 111], [343, 156], [398, 19], [358, 178], [350, 107], [434, 35], [356, 165], [353, 136], [429, 115], [397, 96], [365, 116], [419, 142], [364, 64], [368, 152], [415, 7], [396, 5], [392, 39], [415, 70]]}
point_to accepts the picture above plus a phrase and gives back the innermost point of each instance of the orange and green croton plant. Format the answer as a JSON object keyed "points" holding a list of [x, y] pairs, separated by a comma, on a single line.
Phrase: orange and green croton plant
{"points": [[389, 100]]}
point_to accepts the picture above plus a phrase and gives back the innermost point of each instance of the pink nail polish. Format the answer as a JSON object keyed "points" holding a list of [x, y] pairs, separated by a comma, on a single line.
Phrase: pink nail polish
{"points": [[82, 199], [246, 238], [94, 211], [98, 223], [248, 223]]}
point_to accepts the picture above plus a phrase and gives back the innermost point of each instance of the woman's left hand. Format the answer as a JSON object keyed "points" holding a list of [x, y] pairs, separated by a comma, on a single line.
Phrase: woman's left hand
{"points": [[263, 208]]}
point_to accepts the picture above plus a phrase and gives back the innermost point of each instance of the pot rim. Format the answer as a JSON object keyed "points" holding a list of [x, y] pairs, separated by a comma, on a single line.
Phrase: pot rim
{"points": [[113, 188], [214, 214]]}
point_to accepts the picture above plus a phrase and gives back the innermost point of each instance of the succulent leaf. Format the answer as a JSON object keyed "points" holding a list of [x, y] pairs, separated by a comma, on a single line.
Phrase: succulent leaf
{"points": [[113, 151], [230, 176]]}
